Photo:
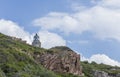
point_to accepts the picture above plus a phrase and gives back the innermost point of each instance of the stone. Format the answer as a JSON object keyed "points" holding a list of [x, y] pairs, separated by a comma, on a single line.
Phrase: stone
{"points": [[104, 74], [100, 74], [62, 61]]}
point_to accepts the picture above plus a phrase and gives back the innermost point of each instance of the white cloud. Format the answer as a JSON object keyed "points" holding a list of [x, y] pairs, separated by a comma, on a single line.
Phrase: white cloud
{"points": [[101, 20], [51, 39], [78, 42], [63, 22], [12, 29], [48, 39], [101, 58], [113, 4]]}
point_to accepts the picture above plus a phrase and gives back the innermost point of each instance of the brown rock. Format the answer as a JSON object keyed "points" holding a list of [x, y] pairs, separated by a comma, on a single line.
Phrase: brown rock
{"points": [[61, 60]]}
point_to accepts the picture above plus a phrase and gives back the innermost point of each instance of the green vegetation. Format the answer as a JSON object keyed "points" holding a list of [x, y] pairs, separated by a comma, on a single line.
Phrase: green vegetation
{"points": [[88, 68], [60, 48], [16, 59]]}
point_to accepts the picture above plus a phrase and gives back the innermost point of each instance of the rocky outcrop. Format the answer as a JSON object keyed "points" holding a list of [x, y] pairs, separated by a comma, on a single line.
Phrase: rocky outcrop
{"points": [[61, 60], [104, 74], [100, 74]]}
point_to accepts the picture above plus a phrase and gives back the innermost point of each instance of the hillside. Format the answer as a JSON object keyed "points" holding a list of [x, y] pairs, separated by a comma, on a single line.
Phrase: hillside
{"points": [[17, 59], [90, 68]]}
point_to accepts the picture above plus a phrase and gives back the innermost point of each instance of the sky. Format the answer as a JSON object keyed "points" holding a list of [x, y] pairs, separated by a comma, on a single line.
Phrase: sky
{"points": [[89, 27]]}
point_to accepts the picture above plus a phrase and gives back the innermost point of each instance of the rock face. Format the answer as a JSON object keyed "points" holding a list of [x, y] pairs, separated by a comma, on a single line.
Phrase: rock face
{"points": [[62, 60], [104, 74], [100, 74]]}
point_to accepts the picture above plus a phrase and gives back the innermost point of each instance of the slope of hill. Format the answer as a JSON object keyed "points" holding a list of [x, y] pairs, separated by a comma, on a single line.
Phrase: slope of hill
{"points": [[90, 68], [17, 59]]}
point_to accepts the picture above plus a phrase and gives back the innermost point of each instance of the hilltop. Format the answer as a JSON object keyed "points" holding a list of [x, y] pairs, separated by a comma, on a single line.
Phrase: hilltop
{"points": [[18, 59]]}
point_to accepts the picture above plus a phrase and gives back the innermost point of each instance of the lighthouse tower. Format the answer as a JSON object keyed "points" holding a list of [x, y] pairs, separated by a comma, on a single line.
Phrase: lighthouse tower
{"points": [[36, 41]]}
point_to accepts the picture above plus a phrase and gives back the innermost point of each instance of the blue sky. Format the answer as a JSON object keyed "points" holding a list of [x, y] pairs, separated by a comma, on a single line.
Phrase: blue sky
{"points": [[90, 27]]}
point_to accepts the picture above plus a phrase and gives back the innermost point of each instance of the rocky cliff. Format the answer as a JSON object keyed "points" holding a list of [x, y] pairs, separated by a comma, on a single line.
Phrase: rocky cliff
{"points": [[60, 60]]}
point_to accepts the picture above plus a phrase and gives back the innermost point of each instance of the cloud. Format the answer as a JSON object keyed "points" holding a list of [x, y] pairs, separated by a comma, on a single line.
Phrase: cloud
{"points": [[48, 39], [61, 21], [78, 42], [101, 58], [101, 19], [113, 4], [51, 39], [13, 29]]}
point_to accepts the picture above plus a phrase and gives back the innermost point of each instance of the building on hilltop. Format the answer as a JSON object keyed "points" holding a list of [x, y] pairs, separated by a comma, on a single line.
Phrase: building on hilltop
{"points": [[36, 41]]}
